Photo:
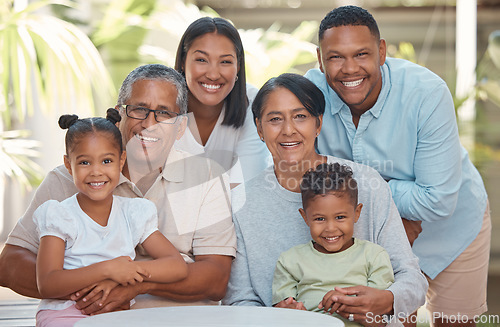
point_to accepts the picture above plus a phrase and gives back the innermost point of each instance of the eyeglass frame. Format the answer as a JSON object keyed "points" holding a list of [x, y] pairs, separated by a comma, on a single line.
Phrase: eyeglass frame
{"points": [[126, 106]]}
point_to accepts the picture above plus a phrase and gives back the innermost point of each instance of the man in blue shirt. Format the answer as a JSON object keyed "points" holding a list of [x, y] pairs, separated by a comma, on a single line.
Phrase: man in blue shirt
{"points": [[399, 118]]}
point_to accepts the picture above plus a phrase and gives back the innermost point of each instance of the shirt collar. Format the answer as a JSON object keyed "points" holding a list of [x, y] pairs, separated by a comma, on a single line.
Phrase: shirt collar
{"points": [[123, 180], [173, 170], [386, 86]]}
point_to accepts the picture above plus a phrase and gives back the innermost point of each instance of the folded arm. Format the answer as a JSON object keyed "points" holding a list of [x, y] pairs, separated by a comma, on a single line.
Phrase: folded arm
{"points": [[206, 279], [168, 265], [54, 281]]}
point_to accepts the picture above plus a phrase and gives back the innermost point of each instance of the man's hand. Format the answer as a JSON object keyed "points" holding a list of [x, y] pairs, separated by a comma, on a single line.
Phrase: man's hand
{"points": [[365, 300], [118, 299], [412, 228], [290, 303]]}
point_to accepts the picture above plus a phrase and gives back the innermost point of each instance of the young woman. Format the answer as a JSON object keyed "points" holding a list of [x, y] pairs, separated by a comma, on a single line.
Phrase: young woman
{"points": [[89, 239], [211, 57]]}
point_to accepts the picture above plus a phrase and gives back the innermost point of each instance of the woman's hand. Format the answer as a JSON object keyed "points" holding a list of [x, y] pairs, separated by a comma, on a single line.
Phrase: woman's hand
{"points": [[290, 303], [366, 304], [328, 304]]}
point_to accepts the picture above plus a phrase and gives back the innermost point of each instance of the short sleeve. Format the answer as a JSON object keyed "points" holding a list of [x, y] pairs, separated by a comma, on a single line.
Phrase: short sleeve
{"points": [[53, 219], [143, 218]]}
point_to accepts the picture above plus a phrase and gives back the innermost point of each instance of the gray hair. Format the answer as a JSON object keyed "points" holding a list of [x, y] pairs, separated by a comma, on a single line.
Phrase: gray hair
{"points": [[155, 72]]}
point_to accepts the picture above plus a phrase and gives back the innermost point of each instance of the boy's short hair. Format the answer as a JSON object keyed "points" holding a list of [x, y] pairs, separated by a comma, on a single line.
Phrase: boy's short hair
{"points": [[327, 178]]}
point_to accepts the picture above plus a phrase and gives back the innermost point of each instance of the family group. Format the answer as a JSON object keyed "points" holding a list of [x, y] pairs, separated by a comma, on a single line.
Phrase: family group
{"points": [[197, 188]]}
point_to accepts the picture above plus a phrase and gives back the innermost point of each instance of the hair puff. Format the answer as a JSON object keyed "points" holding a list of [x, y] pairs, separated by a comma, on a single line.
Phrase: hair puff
{"points": [[66, 121], [113, 115]]}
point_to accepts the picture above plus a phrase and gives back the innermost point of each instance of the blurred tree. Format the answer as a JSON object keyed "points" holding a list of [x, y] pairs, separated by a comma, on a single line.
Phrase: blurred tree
{"points": [[45, 64], [135, 32], [47, 61]]}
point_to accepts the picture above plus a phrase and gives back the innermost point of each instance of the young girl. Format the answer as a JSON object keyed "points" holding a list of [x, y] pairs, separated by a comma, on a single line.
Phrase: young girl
{"points": [[89, 239], [211, 57]]}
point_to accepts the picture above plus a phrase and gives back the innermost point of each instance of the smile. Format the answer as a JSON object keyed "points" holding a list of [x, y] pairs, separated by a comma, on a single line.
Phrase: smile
{"points": [[96, 185], [331, 239], [290, 144], [146, 139], [353, 83], [211, 86]]}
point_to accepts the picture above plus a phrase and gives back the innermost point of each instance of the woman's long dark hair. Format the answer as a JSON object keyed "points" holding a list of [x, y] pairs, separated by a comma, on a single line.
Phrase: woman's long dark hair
{"points": [[236, 100]]}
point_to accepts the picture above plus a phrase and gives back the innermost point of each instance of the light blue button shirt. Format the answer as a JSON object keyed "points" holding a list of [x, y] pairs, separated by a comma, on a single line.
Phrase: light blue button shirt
{"points": [[411, 137]]}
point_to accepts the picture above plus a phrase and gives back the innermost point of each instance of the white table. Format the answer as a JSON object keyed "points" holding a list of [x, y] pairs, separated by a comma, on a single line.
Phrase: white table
{"points": [[212, 316]]}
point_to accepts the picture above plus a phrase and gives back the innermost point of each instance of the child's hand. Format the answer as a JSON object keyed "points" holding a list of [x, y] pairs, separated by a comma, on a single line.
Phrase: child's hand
{"points": [[124, 271], [105, 287], [78, 295], [328, 303], [290, 303]]}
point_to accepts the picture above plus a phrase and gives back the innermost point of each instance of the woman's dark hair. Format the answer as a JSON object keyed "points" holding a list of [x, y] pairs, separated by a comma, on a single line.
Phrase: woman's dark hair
{"points": [[236, 100], [77, 128], [308, 94], [348, 16], [329, 179]]}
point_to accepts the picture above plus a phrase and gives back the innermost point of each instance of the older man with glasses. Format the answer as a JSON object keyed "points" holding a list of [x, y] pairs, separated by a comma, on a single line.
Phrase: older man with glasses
{"points": [[191, 194]]}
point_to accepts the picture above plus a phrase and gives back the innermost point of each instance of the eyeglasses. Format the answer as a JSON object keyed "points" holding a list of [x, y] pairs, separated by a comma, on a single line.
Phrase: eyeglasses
{"points": [[142, 113]]}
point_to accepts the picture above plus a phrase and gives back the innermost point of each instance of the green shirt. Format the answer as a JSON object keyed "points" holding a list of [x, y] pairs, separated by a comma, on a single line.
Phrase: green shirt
{"points": [[307, 275]]}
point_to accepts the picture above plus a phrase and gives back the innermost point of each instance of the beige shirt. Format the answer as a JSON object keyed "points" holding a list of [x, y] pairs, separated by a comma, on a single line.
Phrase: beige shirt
{"points": [[192, 196]]}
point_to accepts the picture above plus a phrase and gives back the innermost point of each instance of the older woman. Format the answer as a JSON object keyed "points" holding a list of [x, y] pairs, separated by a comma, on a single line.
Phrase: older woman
{"points": [[288, 112]]}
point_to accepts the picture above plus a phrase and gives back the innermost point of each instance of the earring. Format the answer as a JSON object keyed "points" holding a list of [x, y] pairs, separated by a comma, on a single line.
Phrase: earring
{"points": [[236, 79]]}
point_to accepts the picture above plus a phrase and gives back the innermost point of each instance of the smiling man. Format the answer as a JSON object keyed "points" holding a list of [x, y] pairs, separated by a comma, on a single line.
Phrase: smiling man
{"points": [[190, 193], [399, 118]]}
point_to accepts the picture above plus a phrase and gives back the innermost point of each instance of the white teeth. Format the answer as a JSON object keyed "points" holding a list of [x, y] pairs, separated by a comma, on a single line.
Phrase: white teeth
{"points": [[146, 139], [290, 144], [97, 184], [332, 238], [353, 83], [211, 86]]}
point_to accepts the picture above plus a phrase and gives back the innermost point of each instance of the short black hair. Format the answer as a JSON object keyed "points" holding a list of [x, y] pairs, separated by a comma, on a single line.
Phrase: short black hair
{"points": [[306, 91], [78, 128], [327, 178], [349, 16]]}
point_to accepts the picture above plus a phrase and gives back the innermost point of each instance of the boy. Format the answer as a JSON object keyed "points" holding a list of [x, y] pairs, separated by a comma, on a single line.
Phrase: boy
{"points": [[309, 273]]}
